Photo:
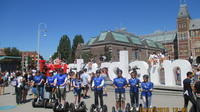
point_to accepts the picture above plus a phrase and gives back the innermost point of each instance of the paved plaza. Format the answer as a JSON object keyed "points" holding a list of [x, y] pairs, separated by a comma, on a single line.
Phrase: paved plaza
{"points": [[161, 98]]}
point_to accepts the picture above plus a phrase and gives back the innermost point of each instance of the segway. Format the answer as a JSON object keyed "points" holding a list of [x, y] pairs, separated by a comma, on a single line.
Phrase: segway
{"points": [[128, 108], [94, 108], [49, 100], [120, 105], [58, 107], [39, 101], [80, 108]]}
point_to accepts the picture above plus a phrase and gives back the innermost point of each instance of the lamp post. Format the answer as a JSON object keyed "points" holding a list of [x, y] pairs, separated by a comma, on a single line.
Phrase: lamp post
{"points": [[39, 32]]}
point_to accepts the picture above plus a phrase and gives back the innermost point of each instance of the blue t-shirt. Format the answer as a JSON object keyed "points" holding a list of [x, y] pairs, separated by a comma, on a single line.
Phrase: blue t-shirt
{"points": [[120, 83], [61, 79], [146, 86], [77, 82], [134, 85], [51, 80], [97, 82], [38, 78]]}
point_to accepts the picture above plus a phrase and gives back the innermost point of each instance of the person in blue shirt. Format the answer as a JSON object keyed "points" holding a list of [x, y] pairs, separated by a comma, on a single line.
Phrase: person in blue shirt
{"points": [[61, 83], [77, 83], [50, 85], [97, 85], [38, 84], [146, 88], [120, 84], [134, 89]]}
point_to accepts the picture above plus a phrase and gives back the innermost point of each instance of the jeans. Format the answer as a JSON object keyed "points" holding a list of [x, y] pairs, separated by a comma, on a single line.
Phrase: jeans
{"points": [[98, 95], [187, 99], [146, 101], [134, 99], [39, 90], [18, 95]]}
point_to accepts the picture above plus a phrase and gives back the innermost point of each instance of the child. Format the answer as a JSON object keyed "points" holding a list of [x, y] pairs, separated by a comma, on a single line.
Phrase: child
{"points": [[77, 84], [146, 94], [134, 89]]}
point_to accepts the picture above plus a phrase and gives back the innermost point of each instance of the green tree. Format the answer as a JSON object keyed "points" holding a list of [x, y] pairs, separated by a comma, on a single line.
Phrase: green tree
{"points": [[77, 39], [86, 56], [107, 53], [12, 51], [64, 49]]}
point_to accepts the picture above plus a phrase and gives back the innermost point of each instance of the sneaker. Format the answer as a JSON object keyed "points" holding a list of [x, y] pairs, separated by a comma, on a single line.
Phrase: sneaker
{"points": [[137, 108], [105, 94]]}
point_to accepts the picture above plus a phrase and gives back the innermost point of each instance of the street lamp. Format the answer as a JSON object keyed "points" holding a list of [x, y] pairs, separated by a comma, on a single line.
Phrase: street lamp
{"points": [[41, 30]]}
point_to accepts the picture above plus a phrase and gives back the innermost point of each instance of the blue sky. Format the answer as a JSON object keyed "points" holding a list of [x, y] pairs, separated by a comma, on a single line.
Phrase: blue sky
{"points": [[19, 19]]}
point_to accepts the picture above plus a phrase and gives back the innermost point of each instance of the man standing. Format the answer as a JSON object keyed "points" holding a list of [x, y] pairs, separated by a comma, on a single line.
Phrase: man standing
{"points": [[98, 84], [187, 86], [120, 84], [86, 80]]}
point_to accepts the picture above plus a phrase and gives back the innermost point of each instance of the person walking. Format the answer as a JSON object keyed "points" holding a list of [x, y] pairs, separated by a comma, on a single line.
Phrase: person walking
{"points": [[188, 94]]}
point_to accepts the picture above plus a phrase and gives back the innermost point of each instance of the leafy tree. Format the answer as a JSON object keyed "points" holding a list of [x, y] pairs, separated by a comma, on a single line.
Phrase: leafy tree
{"points": [[86, 56], [12, 51], [64, 49], [77, 39]]}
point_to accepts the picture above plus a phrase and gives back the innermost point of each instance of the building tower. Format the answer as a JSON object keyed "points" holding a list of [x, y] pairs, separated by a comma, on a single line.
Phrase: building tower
{"points": [[183, 26]]}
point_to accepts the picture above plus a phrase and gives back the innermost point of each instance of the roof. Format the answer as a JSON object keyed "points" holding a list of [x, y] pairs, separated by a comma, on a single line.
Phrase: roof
{"points": [[183, 11], [162, 37], [122, 38], [194, 24], [9, 57], [91, 41]]}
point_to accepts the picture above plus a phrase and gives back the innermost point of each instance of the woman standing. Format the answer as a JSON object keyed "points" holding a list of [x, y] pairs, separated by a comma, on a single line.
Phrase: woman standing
{"points": [[19, 88], [24, 87]]}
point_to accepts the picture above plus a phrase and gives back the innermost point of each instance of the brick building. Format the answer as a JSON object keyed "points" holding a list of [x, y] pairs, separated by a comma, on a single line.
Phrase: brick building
{"points": [[185, 41], [114, 41]]}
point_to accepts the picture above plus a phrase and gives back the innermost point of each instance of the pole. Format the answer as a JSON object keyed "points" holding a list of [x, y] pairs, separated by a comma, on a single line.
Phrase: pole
{"points": [[38, 48]]}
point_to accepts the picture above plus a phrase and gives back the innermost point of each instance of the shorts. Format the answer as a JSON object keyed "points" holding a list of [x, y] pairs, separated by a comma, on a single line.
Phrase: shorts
{"points": [[86, 87], [76, 93], [117, 97], [62, 93]]}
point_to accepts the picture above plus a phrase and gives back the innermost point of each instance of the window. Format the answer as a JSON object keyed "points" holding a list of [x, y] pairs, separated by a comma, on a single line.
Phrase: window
{"points": [[192, 33]]}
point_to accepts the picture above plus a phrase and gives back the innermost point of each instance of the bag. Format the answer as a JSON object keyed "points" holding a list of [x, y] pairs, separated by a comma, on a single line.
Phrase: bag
{"points": [[14, 83]]}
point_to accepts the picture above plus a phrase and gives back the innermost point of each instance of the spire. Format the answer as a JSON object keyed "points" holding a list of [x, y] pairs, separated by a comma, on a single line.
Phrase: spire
{"points": [[183, 11]]}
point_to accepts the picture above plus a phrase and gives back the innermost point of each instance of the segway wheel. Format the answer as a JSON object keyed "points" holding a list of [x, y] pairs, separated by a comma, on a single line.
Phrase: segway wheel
{"points": [[113, 109], [72, 107], [92, 108], [128, 107], [66, 107], [104, 108], [83, 106], [33, 103], [45, 103], [55, 106]]}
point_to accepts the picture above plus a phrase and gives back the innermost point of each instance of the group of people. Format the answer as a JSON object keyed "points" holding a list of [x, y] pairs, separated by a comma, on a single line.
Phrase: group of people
{"points": [[120, 83], [155, 58], [57, 83]]}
